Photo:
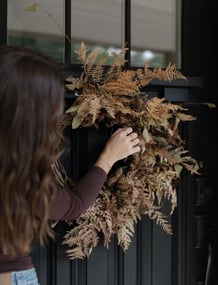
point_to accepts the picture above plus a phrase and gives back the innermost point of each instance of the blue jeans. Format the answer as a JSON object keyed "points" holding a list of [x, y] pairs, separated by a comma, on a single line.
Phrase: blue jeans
{"points": [[25, 277]]}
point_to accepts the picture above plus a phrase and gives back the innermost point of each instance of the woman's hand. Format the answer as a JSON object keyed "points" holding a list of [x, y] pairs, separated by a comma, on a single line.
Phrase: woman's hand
{"points": [[122, 143]]}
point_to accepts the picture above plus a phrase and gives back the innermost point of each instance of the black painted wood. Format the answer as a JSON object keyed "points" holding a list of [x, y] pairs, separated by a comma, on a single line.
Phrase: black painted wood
{"points": [[3, 22]]}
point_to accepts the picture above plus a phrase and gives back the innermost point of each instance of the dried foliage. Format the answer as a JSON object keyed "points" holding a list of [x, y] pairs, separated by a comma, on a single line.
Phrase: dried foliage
{"points": [[144, 182]]}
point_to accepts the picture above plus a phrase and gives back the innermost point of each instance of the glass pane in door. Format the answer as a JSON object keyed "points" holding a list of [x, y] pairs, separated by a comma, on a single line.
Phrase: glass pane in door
{"points": [[39, 26]]}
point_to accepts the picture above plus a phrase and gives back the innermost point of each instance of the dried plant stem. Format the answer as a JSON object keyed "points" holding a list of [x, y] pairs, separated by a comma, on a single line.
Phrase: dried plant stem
{"points": [[55, 21]]}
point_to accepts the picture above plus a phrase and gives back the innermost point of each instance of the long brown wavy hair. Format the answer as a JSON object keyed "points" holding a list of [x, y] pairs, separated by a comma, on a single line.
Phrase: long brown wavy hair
{"points": [[31, 107]]}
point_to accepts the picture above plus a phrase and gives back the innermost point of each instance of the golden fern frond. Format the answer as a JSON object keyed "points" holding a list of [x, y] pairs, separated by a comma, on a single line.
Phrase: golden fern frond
{"points": [[112, 73], [114, 105], [157, 109], [92, 69], [116, 67], [74, 83], [93, 73], [81, 240], [173, 73], [145, 76], [119, 58], [160, 220], [169, 74], [91, 59], [104, 58], [124, 235], [81, 52], [185, 117], [76, 253], [166, 226]]}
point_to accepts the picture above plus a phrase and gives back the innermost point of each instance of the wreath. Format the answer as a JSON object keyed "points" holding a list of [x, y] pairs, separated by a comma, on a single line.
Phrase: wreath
{"points": [[114, 96]]}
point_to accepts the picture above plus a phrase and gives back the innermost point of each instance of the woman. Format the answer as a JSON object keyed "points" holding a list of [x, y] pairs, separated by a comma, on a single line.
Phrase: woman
{"points": [[31, 108]]}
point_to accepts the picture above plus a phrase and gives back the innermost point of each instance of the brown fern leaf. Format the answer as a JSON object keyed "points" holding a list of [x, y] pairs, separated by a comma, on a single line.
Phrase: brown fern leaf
{"points": [[116, 67], [93, 74], [81, 53], [81, 240], [88, 104], [173, 73], [160, 220], [103, 59], [91, 58], [75, 253], [119, 58], [125, 234], [144, 77], [169, 74], [74, 83], [123, 85]]}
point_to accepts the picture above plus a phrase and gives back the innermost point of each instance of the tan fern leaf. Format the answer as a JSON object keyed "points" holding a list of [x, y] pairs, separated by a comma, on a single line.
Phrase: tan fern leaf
{"points": [[122, 86], [191, 165], [113, 105], [93, 68], [119, 58], [93, 73], [91, 59], [125, 234], [169, 74], [157, 109], [106, 226], [162, 221], [112, 73], [75, 253], [145, 76], [103, 60], [74, 83], [89, 105], [185, 117], [116, 67], [81, 239], [95, 106], [134, 211], [81, 53], [173, 73], [165, 187]]}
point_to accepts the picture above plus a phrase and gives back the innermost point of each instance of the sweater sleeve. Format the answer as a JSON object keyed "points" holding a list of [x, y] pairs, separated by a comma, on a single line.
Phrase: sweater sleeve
{"points": [[68, 204]]}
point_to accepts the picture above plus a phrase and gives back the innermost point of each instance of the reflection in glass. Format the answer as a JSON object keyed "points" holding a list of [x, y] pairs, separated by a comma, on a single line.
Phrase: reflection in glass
{"points": [[37, 26], [100, 24], [153, 33]]}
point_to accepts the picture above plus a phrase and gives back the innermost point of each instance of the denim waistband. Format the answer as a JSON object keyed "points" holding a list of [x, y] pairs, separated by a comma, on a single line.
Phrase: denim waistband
{"points": [[25, 277]]}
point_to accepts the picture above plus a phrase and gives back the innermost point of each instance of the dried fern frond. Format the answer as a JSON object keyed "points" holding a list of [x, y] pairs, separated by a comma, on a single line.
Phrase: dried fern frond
{"points": [[116, 66], [81, 52], [147, 181]]}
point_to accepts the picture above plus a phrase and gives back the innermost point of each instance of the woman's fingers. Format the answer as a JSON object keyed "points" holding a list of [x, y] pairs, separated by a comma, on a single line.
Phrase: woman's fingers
{"points": [[129, 136], [122, 143], [125, 141], [124, 131]]}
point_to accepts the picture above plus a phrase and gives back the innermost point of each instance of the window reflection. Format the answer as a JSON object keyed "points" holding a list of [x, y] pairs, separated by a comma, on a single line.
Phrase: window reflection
{"points": [[100, 24], [38, 27], [153, 34]]}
